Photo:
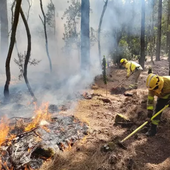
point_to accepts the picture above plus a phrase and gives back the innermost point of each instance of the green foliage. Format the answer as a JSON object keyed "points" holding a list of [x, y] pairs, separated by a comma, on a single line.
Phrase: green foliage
{"points": [[134, 46], [127, 38], [50, 15], [50, 19], [93, 36], [104, 65], [125, 50], [71, 34], [20, 63]]}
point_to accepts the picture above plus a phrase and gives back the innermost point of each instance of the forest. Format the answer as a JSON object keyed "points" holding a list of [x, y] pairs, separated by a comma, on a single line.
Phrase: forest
{"points": [[66, 101]]}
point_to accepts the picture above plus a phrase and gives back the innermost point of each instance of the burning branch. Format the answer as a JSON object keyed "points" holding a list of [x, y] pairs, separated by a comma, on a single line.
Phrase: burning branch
{"points": [[41, 114]]}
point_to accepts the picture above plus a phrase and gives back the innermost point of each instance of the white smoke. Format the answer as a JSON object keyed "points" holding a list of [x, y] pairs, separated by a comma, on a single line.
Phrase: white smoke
{"points": [[66, 77]]}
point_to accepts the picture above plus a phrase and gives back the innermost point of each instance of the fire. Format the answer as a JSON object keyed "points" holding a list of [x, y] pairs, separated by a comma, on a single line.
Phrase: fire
{"points": [[4, 129], [27, 168], [41, 114], [69, 147]]}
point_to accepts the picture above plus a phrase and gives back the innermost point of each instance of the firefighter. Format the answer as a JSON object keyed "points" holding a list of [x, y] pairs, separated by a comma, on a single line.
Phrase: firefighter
{"points": [[132, 68], [157, 86]]}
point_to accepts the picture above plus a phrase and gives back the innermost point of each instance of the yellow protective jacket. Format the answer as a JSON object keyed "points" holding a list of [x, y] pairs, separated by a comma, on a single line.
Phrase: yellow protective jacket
{"points": [[131, 66], [164, 93]]}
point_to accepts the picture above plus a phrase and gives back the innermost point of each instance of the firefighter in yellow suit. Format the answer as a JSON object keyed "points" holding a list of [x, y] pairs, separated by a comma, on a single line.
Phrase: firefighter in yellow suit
{"points": [[132, 68], [157, 86]]}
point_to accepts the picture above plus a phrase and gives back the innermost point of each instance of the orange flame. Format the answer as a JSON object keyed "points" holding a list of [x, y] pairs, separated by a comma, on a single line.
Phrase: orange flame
{"points": [[41, 113], [4, 129], [69, 147]]}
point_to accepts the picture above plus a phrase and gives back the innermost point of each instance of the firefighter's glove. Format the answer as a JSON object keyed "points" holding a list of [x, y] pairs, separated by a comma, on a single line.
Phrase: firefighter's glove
{"points": [[127, 77], [150, 113]]}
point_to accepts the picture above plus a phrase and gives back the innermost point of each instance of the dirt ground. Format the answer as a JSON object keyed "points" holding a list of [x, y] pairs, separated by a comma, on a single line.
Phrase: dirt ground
{"points": [[142, 153]]}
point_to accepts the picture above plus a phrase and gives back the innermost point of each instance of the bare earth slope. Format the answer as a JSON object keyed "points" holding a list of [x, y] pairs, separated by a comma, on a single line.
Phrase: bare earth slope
{"points": [[142, 153]]}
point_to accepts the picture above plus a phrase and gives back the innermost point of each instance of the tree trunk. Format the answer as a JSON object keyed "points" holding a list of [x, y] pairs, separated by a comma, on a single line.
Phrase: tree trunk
{"points": [[158, 45], [4, 28], [142, 57], [168, 29], [11, 46], [85, 40], [130, 26], [27, 55], [151, 31], [152, 28], [168, 34], [99, 30], [45, 33]]}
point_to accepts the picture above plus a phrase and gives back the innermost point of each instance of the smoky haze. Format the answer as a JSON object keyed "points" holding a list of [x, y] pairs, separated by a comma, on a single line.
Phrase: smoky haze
{"points": [[66, 79]]}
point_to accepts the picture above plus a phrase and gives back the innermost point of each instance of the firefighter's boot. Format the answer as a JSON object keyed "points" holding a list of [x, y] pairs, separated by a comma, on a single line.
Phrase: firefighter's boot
{"points": [[152, 131]]}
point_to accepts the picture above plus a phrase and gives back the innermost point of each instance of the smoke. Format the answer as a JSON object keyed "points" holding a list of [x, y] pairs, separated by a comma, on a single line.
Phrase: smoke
{"points": [[123, 16], [66, 78]]}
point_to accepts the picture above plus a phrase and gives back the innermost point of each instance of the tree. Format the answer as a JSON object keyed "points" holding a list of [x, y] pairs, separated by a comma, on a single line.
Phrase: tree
{"points": [[11, 46], [99, 30], [168, 28], [71, 34], [28, 54], [142, 57], [151, 32], [168, 34], [4, 27], [44, 22], [50, 16], [158, 45], [85, 40]]}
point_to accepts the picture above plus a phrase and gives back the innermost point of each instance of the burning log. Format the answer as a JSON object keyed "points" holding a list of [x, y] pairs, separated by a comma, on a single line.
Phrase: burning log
{"points": [[27, 143]]}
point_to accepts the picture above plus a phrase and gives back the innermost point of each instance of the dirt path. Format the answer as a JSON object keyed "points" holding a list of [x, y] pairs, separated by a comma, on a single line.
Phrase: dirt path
{"points": [[142, 153]]}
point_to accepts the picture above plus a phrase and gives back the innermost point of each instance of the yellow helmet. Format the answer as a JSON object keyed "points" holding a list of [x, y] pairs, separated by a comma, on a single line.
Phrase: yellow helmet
{"points": [[154, 82], [123, 61]]}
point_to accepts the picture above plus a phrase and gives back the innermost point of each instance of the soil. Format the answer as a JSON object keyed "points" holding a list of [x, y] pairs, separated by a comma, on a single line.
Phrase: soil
{"points": [[100, 110]]}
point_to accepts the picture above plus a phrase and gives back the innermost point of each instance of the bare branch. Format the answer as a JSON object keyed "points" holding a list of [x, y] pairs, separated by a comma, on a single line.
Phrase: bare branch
{"points": [[27, 57], [99, 30], [29, 8], [45, 33]]}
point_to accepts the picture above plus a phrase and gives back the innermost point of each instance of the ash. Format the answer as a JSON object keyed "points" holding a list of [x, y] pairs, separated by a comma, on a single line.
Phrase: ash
{"points": [[28, 150]]}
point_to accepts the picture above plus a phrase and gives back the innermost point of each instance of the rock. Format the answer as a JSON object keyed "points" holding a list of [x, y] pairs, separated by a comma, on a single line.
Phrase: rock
{"points": [[94, 86], [105, 100], [86, 95], [129, 94]]}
